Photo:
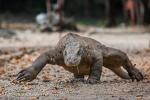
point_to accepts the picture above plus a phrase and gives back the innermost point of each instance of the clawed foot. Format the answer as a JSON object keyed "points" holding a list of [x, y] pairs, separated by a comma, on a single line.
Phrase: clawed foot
{"points": [[25, 75], [136, 75], [92, 80]]}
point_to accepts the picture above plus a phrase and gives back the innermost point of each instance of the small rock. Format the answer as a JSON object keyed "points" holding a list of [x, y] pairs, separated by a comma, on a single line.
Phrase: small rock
{"points": [[139, 97], [33, 98]]}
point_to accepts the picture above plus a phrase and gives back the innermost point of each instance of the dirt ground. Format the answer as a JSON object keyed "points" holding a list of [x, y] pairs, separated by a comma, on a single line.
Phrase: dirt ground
{"points": [[54, 83]]}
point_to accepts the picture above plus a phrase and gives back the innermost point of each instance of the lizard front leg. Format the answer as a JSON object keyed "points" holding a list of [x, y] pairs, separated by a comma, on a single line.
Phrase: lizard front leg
{"points": [[31, 72], [96, 69]]}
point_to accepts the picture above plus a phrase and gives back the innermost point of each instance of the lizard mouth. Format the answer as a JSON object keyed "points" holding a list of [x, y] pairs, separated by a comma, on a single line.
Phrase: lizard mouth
{"points": [[71, 64]]}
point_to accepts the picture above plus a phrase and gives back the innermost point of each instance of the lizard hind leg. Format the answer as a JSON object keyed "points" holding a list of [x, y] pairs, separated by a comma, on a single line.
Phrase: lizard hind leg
{"points": [[133, 72], [121, 73]]}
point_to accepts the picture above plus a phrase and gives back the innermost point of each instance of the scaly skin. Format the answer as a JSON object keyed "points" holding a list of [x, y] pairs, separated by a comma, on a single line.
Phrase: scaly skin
{"points": [[92, 56]]}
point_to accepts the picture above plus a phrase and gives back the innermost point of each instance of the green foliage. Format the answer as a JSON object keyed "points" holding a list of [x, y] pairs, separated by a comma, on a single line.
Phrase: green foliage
{"points": [[95, 8], [72, 7]]}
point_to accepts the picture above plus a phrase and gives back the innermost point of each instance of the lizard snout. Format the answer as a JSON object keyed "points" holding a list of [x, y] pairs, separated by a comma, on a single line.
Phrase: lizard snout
{"points": [[72, 62]]}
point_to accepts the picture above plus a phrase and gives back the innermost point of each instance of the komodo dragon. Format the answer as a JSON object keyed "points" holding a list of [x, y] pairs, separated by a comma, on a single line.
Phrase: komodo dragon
{"points": [[83, 56]]}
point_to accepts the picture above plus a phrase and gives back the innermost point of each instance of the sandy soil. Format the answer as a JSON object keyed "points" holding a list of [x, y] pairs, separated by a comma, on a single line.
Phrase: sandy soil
{"points": [[54, 82], [124, 41]]}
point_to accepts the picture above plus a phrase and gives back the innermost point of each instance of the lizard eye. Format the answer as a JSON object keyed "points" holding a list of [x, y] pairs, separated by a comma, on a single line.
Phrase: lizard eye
{"points": [[79, 52], [65, 53]]}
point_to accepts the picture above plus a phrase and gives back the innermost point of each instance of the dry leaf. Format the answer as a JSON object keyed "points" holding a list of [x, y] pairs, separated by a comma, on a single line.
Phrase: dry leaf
{"points": [[2, 71], [2, 62], [27, 87], [33, 98], [14, 61], [139, 97], [27, 58], [1, 89], [23, 65]]}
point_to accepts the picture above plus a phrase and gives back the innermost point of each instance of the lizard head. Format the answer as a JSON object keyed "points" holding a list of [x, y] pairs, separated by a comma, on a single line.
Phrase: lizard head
{"points": [[73, 54]]}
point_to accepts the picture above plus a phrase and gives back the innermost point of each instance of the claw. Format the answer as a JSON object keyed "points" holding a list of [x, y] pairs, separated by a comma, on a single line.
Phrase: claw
{"points": [[133, 78], [23, 79], [91, 81], [20, 76], [141, 77], [25, 75]]}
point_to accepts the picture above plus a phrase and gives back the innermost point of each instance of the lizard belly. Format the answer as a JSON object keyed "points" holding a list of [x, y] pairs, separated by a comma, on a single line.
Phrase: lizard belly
{"points": [[81, 70]]}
